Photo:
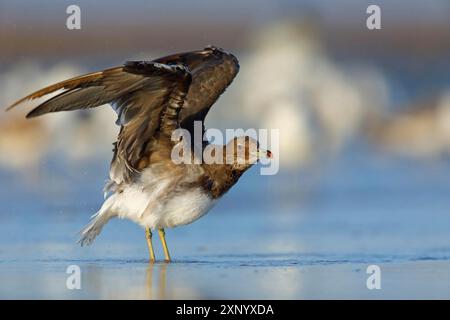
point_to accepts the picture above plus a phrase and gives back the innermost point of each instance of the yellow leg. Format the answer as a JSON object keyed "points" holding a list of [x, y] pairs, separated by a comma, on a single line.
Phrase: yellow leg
{"points": [[148, 235], [162, 236]]}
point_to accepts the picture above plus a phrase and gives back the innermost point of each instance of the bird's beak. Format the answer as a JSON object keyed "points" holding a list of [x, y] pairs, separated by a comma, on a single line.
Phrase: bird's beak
{"points": [[267, 154]]}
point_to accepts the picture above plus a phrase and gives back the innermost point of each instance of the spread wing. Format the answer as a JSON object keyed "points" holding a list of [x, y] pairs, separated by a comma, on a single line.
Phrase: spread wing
{"points": [[147, 97], [212, 71], [151, 100]]}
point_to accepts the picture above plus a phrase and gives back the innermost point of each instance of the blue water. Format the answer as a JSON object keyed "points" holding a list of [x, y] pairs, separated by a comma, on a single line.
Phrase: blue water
{"points": [[305, 234]]}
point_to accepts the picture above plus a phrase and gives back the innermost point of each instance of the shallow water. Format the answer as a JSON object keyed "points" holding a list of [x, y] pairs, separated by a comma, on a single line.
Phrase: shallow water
{"points": [[297, 235]]}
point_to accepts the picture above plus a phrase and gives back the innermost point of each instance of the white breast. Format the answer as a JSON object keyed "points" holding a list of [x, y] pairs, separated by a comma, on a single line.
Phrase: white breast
{"points": [[159, 205], [154, 201], [181, 209]]}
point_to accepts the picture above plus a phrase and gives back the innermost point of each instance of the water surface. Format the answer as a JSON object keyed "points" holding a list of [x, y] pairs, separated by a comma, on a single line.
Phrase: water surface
{"points": [[297, 235]]}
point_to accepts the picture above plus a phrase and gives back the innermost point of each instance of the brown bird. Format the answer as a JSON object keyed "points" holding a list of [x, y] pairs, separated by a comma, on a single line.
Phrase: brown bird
{"points": [[152, 99]]}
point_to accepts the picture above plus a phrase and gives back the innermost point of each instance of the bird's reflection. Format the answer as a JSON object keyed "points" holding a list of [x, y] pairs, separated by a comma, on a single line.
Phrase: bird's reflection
{"points": [[156, 290]]}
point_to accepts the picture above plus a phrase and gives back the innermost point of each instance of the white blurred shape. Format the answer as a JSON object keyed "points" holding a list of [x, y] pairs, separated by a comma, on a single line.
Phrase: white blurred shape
{"points": [[288, 80], [420, 131]]}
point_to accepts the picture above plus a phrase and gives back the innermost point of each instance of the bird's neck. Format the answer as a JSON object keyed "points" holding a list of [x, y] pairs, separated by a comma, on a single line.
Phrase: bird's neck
{"points": [[220, 178]]}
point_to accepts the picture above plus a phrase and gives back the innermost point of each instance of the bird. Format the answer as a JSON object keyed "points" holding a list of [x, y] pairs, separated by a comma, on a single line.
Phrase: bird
{"points": [[152, 99]]}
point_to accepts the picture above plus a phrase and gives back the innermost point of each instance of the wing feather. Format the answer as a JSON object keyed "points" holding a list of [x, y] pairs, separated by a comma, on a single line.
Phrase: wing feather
{"points": [[212, 71], [67, 84], [147, 97], [151, 99]]}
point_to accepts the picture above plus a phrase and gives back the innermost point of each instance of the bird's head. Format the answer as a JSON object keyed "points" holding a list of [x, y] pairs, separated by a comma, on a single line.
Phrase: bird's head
{"points": [[243, 152]]}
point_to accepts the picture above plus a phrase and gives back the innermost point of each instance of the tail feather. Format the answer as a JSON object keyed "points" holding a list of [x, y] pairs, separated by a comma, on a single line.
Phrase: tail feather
{"points": [[95, 226]]}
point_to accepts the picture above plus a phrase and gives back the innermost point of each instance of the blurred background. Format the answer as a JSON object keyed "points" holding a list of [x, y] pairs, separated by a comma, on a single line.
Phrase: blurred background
{"points": [[364, 120]]}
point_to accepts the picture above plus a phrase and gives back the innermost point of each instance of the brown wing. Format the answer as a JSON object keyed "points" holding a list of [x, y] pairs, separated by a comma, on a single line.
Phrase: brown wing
{"points": [[147, 97], [212, 72]]}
